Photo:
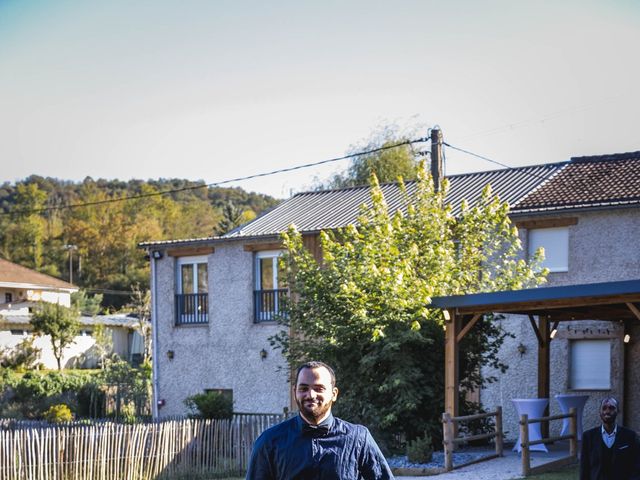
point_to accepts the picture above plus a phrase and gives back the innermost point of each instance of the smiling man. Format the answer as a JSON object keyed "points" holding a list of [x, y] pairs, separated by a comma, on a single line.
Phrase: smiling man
{"points": [[610, 452], [315, 444]]}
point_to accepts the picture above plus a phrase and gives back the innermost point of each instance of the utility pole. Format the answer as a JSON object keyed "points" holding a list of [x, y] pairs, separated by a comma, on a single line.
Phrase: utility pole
{"points": [[70, 248], [436, 157]]}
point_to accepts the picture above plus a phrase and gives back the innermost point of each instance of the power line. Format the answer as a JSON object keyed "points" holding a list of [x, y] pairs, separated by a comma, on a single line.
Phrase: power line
{"points": [[508, 167], [476, 155], [216, 184]]}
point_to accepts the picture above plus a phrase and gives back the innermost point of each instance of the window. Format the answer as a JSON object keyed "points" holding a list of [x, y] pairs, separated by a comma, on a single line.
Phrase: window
{"points": [[555, 242], [590, 365], [8, 298], [271, 288], [192, 304], [19, 333]]}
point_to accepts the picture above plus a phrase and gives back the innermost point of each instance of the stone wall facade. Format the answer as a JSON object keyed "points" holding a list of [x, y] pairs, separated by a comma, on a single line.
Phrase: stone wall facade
{"points": [[224, 353]]}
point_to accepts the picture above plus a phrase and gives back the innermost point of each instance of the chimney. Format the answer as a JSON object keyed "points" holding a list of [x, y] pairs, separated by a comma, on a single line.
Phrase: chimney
{"points": [[436, 157]]}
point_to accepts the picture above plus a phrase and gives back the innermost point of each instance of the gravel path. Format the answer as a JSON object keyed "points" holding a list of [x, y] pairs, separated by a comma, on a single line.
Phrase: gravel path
{"points": [[506, 468]]}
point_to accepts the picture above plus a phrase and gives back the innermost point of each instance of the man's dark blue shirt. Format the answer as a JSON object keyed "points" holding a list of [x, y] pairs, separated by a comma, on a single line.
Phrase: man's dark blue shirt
{"points": [[293, 451]]}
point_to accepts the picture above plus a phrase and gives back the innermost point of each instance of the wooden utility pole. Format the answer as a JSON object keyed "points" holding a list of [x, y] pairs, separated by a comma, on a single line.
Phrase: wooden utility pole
{"points": [[436, 157]]}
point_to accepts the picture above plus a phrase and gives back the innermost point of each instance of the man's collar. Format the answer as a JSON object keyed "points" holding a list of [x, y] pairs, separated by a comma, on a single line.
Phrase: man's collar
{"points": [[321, 428], [613, 433]]}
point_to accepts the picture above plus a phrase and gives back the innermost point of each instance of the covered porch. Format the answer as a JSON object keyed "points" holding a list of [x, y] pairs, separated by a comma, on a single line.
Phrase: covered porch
{"points": [[545, 309]]}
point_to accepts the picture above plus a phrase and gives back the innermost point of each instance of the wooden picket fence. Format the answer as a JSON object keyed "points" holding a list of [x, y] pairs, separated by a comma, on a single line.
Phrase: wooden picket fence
{"points": [[109, 451]]}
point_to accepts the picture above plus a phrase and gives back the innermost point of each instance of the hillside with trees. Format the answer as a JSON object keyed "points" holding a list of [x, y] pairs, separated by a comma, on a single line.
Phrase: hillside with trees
{"points": [[37, 226]]}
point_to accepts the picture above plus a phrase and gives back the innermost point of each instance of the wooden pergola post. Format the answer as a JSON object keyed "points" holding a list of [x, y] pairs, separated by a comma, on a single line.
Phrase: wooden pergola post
{"points": [[451, 365], [544, 370]]}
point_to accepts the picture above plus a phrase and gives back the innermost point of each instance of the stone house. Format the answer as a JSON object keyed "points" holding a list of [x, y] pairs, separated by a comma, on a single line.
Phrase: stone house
{"points": [[22, 288], [214, 299]]}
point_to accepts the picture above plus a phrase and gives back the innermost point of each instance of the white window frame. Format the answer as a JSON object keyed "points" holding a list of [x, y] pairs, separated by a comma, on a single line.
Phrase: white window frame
{"points": [[267, 315], [590, 364], [187, 318], [191, 261], [275, 256], [555, 241]]}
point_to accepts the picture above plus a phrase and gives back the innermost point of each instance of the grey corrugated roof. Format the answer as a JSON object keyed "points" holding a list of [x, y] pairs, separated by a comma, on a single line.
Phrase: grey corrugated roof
{"points": [[603, 181], [327, 209]]}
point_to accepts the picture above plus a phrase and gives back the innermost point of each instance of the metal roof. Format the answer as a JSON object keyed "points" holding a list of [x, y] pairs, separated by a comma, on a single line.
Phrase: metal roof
{"points": [[594, 301], [603, 181], [328, 209]]}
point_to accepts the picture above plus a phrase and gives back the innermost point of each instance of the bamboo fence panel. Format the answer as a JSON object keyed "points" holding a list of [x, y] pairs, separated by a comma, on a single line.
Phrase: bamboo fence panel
{"points": [[108, 451]]}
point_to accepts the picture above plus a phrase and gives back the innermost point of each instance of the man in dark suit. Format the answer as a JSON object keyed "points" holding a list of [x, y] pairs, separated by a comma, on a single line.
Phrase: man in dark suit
{"points": [[610, 451]]}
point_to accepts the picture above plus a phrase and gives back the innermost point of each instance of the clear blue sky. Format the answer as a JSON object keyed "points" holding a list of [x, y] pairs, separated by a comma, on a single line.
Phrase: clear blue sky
{"points": [[220, 89]]}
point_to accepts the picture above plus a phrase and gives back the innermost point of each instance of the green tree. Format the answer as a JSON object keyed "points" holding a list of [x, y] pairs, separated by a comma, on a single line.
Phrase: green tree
{"points": [[60, 323], [25, 234], [365, 309], [387, 165], [104, 343], [233, 216], [141, 306], [85, 304]]}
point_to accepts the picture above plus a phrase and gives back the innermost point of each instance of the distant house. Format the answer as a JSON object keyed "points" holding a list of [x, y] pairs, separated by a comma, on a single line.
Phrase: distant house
{"points": [[22, 288], [214, 299]]}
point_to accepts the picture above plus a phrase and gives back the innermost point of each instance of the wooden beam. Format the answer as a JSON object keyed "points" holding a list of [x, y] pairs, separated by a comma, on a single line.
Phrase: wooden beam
{"points": [[188, 251], [468, 326], [547, 223], [536, 331], [451, 366], [550, 304], [258, 247], [544, 370], [634, 310]]}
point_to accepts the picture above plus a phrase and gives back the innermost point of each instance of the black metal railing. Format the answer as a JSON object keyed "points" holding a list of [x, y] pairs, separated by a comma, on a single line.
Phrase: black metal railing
{"points": [[192, 308], [267, 304]]}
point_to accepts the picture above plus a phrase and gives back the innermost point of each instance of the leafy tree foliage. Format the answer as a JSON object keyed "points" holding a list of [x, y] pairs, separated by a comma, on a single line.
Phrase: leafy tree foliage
{"points": [[387, 165], [106, 235], [86, 304], [365, 309], [22, 357], [60, 323]]}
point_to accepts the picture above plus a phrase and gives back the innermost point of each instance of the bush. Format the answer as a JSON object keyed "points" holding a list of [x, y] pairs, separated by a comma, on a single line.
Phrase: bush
{"points": [[58, 414], [210, 405], [22, 357], [420, 450]]}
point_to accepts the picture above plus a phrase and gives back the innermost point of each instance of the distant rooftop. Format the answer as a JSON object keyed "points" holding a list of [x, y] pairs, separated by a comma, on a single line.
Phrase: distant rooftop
{"points": [[12, 273]]}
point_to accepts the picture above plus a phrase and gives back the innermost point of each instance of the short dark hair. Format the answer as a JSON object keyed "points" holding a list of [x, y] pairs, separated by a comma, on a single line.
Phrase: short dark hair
{"points": [[610, 399], [317, 364]]}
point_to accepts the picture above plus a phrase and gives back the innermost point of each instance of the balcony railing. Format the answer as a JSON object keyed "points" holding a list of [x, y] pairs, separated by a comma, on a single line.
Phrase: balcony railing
{"points": [[267, 304], [192, 308]]}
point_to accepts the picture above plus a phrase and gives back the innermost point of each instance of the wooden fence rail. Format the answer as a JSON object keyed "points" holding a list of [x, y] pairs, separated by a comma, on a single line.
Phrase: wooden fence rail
{"points": [[450, 427], [527, 469], [109, 451]]}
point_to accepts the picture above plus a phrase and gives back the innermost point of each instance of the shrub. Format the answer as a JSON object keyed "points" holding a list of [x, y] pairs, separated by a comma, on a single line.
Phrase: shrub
{"points": [[58, 414], [22, 357], [210, 405], [420, 450]]}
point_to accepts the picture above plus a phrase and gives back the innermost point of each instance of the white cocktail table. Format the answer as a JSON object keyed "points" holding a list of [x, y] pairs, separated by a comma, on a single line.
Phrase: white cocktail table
{"points": [[568, 401], [533, 408]]}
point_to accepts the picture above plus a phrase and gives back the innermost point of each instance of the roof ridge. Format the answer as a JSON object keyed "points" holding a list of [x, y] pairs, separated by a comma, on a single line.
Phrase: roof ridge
{"points": [[455, 175], [608, 157]]}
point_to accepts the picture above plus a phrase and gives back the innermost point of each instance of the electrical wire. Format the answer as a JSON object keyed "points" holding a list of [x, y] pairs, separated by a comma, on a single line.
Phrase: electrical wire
{"points": [[215, 184], [508, 167]]}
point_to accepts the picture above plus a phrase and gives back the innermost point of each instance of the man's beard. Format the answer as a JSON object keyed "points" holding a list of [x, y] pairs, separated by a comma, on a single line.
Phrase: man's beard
{"points": [[313, 412]]}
